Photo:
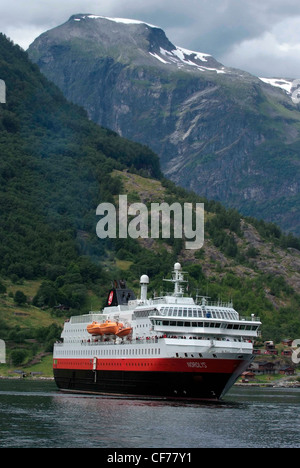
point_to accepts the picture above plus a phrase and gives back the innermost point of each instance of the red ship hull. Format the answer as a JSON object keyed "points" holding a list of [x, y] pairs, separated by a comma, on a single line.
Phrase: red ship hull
{"points": [[199, 379]]}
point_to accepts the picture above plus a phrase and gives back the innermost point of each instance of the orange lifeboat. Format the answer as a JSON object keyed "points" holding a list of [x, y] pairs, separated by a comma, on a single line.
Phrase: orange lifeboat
{"points": [[105, 328], [124, 332]]}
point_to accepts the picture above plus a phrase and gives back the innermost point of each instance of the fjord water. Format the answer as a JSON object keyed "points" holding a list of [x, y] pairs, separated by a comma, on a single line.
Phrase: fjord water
{"points": [[35, 414]]}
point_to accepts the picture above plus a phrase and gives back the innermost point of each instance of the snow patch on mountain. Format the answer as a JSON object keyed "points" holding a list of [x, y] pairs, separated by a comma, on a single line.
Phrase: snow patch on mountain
{"points": [[116, 20], [291, 87], [181, 57], [282, 83], [181, 52], [158, 57]]}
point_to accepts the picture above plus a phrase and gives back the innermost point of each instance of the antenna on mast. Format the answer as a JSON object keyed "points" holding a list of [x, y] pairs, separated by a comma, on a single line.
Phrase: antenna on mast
{"points": [[177, 279]]}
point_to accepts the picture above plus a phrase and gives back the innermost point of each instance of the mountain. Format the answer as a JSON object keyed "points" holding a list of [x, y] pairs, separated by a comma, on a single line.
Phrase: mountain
{"points": [[219, 131]]}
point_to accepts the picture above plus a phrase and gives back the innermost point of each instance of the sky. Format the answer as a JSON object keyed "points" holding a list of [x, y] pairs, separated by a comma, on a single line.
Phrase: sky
{"points": [[258, 36]]}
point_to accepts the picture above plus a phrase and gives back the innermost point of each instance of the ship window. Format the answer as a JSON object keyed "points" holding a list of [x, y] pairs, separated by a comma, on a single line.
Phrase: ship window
{"points": [[179, 312], [195, 313], [187, 324], [179, 324], [190, 313], [185, 312], [170, 312], [194, 324], [166, 322], [175, 312]]}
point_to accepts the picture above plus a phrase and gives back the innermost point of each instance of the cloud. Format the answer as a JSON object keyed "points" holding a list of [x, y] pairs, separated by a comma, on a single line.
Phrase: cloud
{"points": [[257, 36], [274, 53]]}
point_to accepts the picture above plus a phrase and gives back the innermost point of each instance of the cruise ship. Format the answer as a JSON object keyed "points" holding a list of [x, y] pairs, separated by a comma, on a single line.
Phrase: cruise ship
{"points": [[167, 347]]}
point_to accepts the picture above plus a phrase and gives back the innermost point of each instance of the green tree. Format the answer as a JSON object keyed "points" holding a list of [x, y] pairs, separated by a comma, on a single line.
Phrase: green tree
{"points": [[20, 298], [18, 356]]}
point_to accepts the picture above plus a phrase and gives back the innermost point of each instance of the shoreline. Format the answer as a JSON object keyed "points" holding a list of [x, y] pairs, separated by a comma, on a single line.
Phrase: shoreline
{"points": [[27, 377], [293, 384]]}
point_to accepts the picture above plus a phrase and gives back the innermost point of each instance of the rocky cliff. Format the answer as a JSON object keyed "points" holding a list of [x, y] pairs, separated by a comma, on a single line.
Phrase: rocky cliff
{"points": [[219, 131]]}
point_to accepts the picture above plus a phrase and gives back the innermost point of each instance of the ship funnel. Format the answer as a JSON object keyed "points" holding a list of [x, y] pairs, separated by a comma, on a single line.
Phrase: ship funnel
{"points": [[144, 281]]}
